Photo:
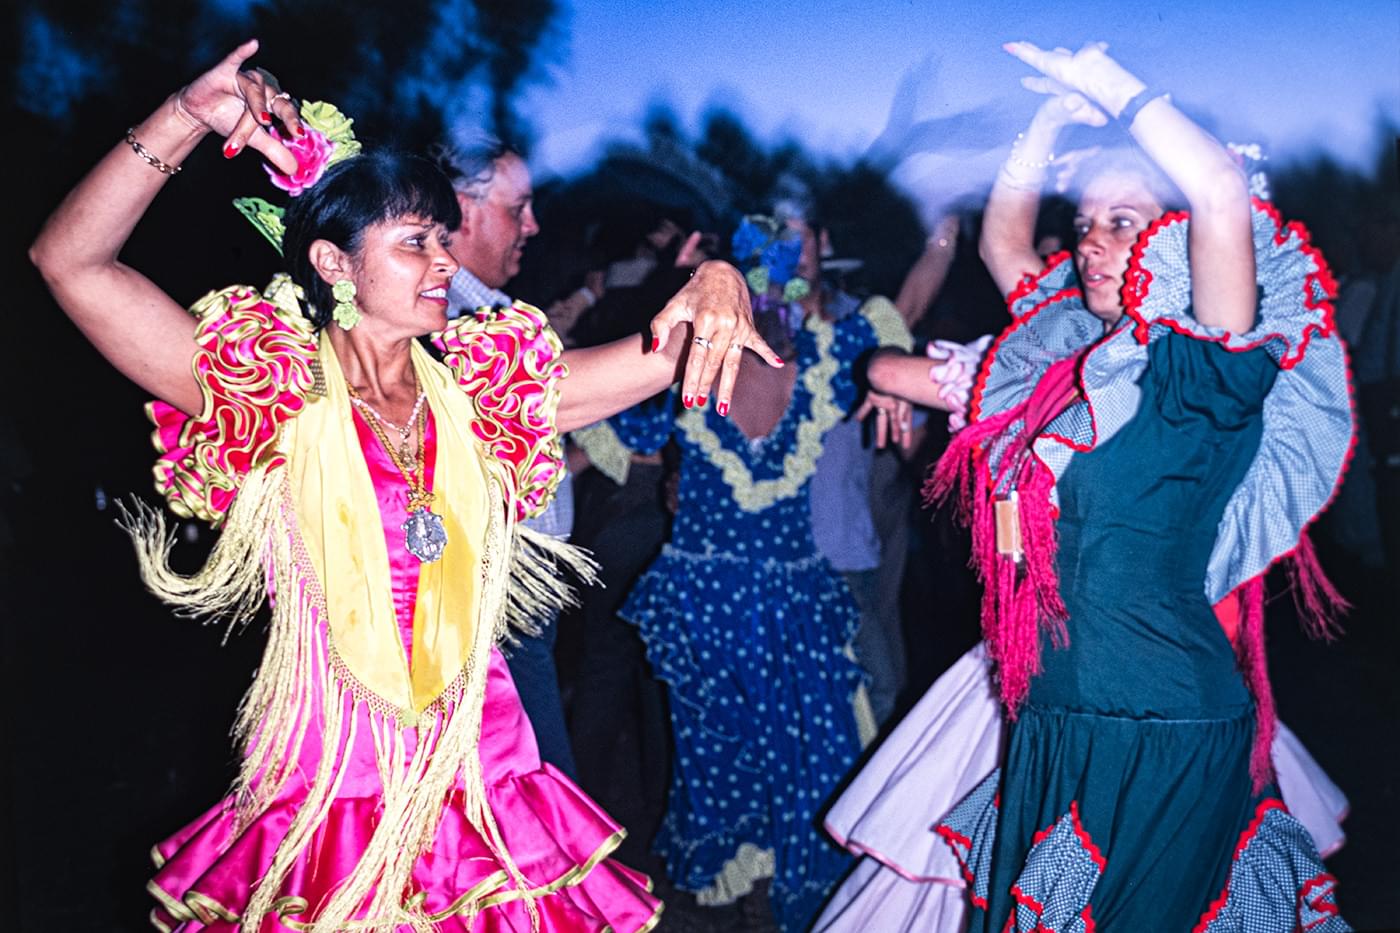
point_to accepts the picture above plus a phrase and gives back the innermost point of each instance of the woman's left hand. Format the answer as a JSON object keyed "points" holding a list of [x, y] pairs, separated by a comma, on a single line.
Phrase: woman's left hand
{"points": [[715, 302], [894, 419]]}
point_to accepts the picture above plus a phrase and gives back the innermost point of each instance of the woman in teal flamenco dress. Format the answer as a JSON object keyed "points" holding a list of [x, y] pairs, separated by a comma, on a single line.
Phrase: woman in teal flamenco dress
{"points": [[743, 618], [1165, 415]]}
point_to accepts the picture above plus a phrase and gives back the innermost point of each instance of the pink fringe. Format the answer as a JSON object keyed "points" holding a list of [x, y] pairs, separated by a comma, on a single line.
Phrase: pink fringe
{"points": [[1019, 600], [1319, 604], [1255, 666]]}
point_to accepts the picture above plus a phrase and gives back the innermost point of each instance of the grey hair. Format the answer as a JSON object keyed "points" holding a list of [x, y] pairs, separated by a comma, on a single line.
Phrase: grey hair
{"points": [[471, 167], [1129, 160]]}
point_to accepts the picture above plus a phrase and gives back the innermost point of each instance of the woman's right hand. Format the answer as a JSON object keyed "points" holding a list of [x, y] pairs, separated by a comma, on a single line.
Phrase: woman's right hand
{"points": [[1063, 106], [1101, 83], [240, 105]]}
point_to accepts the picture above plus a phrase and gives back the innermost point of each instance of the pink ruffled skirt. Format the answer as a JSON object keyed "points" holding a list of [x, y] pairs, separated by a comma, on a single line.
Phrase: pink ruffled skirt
{"points": [[557, 836]]}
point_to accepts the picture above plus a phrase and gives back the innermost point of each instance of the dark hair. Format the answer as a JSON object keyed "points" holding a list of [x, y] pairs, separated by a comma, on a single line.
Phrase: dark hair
{"points": [[471, 167], [354, 194]]}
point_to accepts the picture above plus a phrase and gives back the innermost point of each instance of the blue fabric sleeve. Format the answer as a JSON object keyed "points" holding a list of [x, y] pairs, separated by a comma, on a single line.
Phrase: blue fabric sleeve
{"points": [[645, 428], [877, 324]]}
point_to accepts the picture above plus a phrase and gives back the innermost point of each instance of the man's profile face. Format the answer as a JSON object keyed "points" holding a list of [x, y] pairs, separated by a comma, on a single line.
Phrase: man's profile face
{"points": [[496, 223]]}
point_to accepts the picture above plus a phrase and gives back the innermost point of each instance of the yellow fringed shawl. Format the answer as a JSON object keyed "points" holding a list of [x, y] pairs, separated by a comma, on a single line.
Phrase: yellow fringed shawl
{"points": [[305, 527]]}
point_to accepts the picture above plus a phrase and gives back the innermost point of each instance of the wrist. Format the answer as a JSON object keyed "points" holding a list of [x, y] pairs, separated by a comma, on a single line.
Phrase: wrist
{"points": [[1029, 158], [1114, 86], [177, 118], [176, 103], [1134, 105]]}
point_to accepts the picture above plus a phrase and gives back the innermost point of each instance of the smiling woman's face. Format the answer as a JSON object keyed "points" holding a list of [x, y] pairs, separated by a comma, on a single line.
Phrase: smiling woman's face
{"points": [[401, 274], [1114, 209]]}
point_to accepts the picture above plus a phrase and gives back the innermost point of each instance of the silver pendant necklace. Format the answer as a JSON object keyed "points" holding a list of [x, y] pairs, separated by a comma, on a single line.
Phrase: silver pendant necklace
{"points": [[424, 535]]}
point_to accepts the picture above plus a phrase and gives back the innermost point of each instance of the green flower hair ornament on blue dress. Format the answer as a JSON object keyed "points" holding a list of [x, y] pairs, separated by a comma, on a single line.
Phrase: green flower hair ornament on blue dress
{"points": [[768, 251]]}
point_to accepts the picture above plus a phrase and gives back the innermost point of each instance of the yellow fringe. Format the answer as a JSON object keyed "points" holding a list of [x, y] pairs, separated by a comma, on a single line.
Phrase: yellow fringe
{"points": [[260, 548], [414, 785], [233, 582], [542, 568]]}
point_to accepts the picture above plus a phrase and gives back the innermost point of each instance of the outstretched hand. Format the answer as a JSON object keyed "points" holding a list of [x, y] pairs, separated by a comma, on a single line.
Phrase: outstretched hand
{"points": [[1064, 106], [716, 303], [241, 105]]}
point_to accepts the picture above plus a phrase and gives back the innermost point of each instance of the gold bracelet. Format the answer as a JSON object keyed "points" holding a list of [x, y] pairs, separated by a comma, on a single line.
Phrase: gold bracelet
{"points": [[149, 157]]}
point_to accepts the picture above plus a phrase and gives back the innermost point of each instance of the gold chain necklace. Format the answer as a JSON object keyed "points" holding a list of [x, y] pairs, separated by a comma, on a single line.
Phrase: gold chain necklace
{"points": [[405, 432], [424, 534]]}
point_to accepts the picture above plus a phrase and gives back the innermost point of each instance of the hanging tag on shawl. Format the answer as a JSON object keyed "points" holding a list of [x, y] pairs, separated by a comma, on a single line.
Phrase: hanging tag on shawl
{"points": [[1007, 514]]}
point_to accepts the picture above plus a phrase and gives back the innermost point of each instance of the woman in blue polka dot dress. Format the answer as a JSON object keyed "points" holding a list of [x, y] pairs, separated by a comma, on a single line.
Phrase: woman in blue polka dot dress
{"points": [[742, 617]]}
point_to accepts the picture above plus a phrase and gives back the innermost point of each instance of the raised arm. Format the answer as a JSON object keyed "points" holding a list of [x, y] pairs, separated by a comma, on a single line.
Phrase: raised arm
{"points": [[1223, 292], [925, 278], [1007, 244], [133, 323], [713, 307]]}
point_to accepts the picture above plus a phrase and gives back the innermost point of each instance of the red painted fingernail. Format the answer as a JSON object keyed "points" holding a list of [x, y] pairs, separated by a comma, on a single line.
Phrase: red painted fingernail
{"points": [[266, 117], [301, 131], [723, 409], [779, 359], [687, 401], [700, 402], [230, 150], [655, 344]]}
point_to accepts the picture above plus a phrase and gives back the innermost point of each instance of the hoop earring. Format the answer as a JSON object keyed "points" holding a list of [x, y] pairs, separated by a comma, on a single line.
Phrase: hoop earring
{"points": [[344, 313]]}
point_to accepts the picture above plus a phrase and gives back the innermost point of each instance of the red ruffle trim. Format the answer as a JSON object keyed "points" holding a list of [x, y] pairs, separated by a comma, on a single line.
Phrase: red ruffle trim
{"points": [[1027, 286], [1318, 288], [1218, 904], [508, 361], [1025, 900]]}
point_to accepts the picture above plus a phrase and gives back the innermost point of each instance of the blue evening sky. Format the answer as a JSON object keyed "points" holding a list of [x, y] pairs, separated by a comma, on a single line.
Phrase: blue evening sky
{"points": [[1297, 75]]}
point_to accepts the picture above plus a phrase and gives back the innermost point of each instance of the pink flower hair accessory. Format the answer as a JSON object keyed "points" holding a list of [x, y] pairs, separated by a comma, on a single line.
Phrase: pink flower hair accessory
{"points": [[329, 138], [313, 151]]}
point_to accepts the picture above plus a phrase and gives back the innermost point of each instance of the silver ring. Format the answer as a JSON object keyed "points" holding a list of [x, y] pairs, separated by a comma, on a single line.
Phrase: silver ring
{"points": [[283, 96], [702, 342]]}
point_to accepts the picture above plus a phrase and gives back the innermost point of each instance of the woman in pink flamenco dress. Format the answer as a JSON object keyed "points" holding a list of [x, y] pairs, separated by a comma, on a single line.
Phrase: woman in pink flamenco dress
{"points": [[373, 494]]}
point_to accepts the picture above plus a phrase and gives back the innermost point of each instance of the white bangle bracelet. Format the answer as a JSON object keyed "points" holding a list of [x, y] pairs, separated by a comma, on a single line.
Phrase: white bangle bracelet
{"points": [[1012, 157]]}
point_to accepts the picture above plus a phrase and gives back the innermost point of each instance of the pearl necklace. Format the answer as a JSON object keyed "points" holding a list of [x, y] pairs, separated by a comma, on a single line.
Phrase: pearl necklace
{"points": [[405, 432]]}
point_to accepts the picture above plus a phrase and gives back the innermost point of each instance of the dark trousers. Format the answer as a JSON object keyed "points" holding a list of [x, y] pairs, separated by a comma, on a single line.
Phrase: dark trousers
{"points": [[615, 697], [537, 681]]}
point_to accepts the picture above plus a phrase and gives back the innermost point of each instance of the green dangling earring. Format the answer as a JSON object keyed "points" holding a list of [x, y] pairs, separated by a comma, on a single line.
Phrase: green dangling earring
{"points": [[344, 313]]}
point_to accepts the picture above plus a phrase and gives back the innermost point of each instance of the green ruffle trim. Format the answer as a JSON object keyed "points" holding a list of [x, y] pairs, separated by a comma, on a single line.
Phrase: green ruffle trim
{"points": [[605, 450], [888, 324], [798, 466]]}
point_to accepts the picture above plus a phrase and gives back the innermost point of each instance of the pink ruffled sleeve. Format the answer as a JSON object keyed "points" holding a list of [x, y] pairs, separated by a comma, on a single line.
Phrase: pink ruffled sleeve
{"points": [[253, 365], [509, 361]]}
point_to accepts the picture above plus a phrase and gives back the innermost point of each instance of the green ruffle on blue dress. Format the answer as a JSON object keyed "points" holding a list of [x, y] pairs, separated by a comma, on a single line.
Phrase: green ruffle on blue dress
{"points": [[749, 627]]}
